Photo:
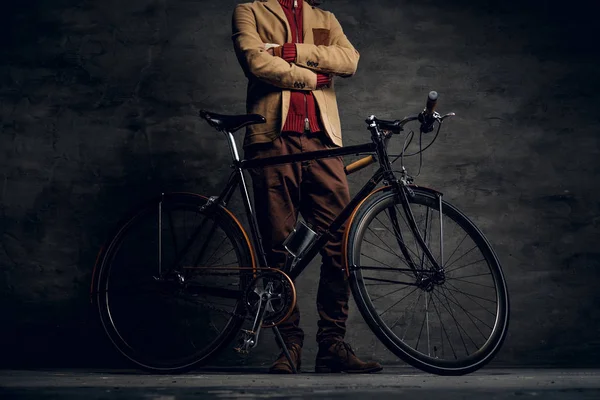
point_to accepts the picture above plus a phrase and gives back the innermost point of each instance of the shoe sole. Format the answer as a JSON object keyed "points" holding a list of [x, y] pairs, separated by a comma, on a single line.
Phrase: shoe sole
{"points": [[327, 370], [283, 371], [280, 372]]}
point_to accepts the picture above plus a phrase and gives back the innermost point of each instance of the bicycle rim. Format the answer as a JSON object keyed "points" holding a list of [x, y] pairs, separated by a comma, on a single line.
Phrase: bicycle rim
{"points": [[154, 312], [451, 326]]}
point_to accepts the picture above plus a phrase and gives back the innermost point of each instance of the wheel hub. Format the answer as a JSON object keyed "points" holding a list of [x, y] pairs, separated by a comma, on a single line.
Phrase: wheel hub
{"points": [[430, 281]]}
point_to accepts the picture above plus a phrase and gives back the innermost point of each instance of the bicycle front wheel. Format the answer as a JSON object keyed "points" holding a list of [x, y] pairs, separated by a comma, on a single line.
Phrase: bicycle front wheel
{"points": [[448, 323], [169, 285]]}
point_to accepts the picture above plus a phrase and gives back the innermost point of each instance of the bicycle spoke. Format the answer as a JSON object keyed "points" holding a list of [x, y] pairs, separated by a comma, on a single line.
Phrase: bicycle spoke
{"points": [[456, 249], [387, 309], [398, 320], [471, 276], [215, 251], [422, 325], [472, 283], [467, 313], [401, 258], [381, 262], [412, 315], [458, 326], [467, 265], [442, 326], [470, 250], [467, 294], [387, 294], [481, 306], [427, 301], [391, 251], [382, 224], [223, 256]]}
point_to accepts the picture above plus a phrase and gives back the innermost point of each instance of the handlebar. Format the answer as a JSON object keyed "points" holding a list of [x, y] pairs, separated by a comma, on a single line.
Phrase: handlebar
{"points": [[427, 117], [431, 103]]}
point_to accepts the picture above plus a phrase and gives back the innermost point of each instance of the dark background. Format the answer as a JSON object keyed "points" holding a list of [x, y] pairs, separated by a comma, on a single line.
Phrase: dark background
{"points": [[98, 111]]}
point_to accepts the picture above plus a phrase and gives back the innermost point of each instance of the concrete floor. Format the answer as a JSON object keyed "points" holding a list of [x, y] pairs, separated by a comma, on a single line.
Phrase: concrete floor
{"points": [[393, 383]]}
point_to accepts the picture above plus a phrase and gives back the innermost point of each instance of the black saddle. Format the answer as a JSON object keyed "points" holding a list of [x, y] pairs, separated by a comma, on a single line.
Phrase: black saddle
{"points": [[231, 123]]}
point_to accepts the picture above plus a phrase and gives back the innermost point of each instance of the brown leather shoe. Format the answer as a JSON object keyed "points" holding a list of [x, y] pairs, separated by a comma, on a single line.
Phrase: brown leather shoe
{"points": [[339, 357], [282, 365]]}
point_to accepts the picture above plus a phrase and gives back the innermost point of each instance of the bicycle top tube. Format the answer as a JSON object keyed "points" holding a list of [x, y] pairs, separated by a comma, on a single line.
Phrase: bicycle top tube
{"points": [[309, 155], [328, 153]]}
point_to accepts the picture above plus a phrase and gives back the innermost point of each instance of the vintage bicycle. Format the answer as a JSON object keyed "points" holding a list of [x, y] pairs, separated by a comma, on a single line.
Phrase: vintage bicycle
{"points": [[180, 278]]}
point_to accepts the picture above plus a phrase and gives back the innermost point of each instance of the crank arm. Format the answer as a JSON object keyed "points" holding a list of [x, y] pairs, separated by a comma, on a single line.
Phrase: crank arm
{"points": [[249, 338]]}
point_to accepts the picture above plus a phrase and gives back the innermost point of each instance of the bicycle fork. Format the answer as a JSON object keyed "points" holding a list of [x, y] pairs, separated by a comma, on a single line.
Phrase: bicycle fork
{"points": [[425, 278]]}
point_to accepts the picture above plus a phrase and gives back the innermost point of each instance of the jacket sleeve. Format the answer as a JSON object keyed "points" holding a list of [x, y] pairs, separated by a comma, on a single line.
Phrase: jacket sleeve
{"points": [[256, 61], [338, 58]]}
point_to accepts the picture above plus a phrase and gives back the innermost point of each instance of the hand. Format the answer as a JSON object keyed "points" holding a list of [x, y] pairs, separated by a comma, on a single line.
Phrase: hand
{"points": [[273, 49]]}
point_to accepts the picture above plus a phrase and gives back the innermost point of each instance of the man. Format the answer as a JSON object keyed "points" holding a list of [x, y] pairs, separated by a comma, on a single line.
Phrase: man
{"points": [[289, 51]]}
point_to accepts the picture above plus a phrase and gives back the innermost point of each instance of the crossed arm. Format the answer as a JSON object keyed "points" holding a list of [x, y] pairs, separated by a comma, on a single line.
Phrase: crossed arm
{"points": [[339, 58]]}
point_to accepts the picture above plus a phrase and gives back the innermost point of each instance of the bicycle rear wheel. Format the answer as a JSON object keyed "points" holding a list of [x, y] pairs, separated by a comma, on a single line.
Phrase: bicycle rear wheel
{"points": [[169, 284], [448, 324]]}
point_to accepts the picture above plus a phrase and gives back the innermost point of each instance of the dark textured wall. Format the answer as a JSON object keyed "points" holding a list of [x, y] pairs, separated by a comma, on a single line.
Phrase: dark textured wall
{"points": [[98, 105]]}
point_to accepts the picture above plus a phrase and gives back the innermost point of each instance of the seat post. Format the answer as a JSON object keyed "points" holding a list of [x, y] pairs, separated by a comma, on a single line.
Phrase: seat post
{"points": [[232, 146]]}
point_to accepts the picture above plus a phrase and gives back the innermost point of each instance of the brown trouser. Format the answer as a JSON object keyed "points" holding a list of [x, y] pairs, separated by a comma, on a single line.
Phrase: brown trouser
{"points": [[318, 190]]}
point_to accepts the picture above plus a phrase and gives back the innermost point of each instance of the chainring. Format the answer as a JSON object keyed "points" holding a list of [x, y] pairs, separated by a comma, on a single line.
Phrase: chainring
{"points": [[283, 296]]}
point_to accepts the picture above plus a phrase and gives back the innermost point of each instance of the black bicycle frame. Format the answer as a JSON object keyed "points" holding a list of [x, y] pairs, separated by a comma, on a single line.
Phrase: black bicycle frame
{"points": [[384, 172]]}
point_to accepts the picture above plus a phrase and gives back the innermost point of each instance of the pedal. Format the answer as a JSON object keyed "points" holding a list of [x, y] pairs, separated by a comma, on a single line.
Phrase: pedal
{"points": [[241, 351], [246, 341]]}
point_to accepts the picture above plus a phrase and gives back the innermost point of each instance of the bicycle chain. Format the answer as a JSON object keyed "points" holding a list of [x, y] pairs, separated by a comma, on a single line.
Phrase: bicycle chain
{"points": [[246, 316], [215, 308], [240, 316]]}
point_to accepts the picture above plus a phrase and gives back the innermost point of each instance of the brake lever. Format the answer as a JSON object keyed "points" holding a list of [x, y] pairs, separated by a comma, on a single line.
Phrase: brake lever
{"points": [[441, 118], [427, 123]]}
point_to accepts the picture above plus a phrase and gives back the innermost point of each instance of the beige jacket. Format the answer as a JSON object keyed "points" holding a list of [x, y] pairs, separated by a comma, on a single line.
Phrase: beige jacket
{"points": [[325, 49]]}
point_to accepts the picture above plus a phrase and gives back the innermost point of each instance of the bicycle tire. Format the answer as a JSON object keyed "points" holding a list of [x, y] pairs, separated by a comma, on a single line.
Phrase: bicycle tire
{"points": [[106, 277], [356, 233]]}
